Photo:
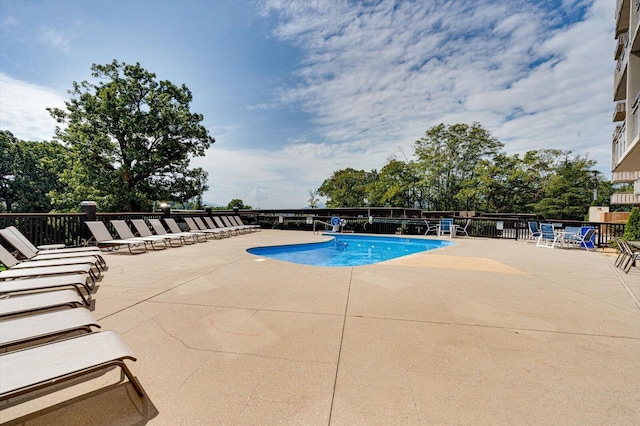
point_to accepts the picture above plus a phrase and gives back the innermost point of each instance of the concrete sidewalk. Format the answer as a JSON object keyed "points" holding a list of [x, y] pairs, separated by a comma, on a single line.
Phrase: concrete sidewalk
{"points": [[482, 332]]}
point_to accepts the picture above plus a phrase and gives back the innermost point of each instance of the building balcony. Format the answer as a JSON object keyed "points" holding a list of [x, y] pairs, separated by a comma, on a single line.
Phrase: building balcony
{"points": [[620, 111], [625, 177], [623, 7], [621, 45], [620, 77], [625, 199]]}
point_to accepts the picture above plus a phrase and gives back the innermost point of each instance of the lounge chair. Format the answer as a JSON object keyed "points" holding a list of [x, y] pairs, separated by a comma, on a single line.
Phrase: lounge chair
{"points": [[23, 330], [143, 231], [632, 253], [159, 229], [212, 225], [548, 237], [221, 225], [235, 221], [62, 258], [175, 228], [462, 230], [194, 227], [204, 228], [430, 227], [39, 367], [54, 282], [124, 232], [241, 223], [105, 240], [12, 273], [230, 224], [52, 249], [29, 303]]}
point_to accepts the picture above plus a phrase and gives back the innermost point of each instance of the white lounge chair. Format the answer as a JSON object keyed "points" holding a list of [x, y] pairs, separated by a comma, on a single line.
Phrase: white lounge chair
{"points": [[239, 221], [38, 367], [193, 236], [143, 231], [105, 240], [175, 228], [11, 273], [221, 225], [50, 248], [47, 300], [27, 250], [23, 330], [55, 282], [124, 232], [191, 224]]}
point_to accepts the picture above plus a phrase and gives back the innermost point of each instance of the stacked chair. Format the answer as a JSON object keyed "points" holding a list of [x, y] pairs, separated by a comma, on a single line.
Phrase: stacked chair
{"points": [[48, 335]]}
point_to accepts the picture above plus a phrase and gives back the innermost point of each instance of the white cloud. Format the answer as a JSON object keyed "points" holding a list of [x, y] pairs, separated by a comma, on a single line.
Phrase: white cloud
{"points": [[55, 38], [375, 75], [23, 109]]}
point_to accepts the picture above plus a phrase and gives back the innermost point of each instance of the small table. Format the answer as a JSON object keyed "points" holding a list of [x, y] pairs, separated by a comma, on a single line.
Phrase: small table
{"points": [[453, 229]]}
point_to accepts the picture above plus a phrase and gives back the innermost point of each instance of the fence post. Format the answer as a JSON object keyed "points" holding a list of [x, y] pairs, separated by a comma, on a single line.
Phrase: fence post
{"points": [[166, 209], [89, 208]]}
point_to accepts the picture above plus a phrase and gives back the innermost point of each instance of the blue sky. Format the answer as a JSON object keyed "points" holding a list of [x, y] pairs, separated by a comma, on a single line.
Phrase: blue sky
{"points": [[293, 90]]}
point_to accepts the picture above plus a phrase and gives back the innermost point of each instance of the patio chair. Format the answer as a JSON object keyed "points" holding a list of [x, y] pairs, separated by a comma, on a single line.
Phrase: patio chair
{"points": [[159, 229], [52, 249], [61, 258], [32, 328], [143, 231], [55, 282], [124, 232], [534, 231], [39, 367], [462, 230], [175, 228], [430, 227], [575, 237], [30, 303], [105, 240], [548, 237], [12, 273]]}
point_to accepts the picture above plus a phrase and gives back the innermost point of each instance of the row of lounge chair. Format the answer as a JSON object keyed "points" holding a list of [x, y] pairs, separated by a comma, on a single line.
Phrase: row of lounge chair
{"points": [[197, 230], [47, 333]]}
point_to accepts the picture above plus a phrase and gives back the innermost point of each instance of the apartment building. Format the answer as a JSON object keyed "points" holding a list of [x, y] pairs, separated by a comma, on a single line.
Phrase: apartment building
{"points": [[625, 164]]}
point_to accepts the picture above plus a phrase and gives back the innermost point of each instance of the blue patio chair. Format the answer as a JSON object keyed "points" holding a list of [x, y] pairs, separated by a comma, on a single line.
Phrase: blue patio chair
{"points": [[581, 240], [534, 231], [548, 237], [445, 227]]}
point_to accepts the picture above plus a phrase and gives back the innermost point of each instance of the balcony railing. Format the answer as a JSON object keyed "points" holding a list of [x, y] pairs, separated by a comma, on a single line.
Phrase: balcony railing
{"points": [[619, 145], [625, 199], [621, 45]]}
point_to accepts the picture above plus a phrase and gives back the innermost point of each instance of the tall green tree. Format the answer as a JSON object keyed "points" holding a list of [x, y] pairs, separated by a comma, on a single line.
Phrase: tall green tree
{"points": [[133, 135], [448, 156], [237, 203], [347, 188], [569, 191], [397, 185]]}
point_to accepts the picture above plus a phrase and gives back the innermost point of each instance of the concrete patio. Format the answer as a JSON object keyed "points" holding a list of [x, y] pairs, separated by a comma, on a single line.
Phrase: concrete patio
{"points": [[482, 332]]}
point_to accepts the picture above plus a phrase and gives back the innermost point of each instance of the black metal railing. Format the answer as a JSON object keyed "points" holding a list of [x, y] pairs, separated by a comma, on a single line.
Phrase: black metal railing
{"points": [[68, 228]]}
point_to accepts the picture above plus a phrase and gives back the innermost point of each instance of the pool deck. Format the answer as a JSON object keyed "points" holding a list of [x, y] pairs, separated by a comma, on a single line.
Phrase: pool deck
{"points": [[482, 332]]}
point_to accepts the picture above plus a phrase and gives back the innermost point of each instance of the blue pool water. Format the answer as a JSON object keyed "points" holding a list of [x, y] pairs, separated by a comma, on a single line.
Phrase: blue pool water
{"points": [[348, 250]]}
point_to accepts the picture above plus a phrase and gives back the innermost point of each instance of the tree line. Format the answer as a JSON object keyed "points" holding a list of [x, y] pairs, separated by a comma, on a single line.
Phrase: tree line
{"points": [[462, 167]]}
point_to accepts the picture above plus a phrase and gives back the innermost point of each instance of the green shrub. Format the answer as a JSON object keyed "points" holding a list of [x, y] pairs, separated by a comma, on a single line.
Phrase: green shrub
{"points": [[632, 228]]}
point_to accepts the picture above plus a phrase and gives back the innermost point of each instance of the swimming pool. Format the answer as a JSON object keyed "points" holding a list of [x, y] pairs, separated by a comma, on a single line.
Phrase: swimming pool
{"points": [[348, 250]]}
